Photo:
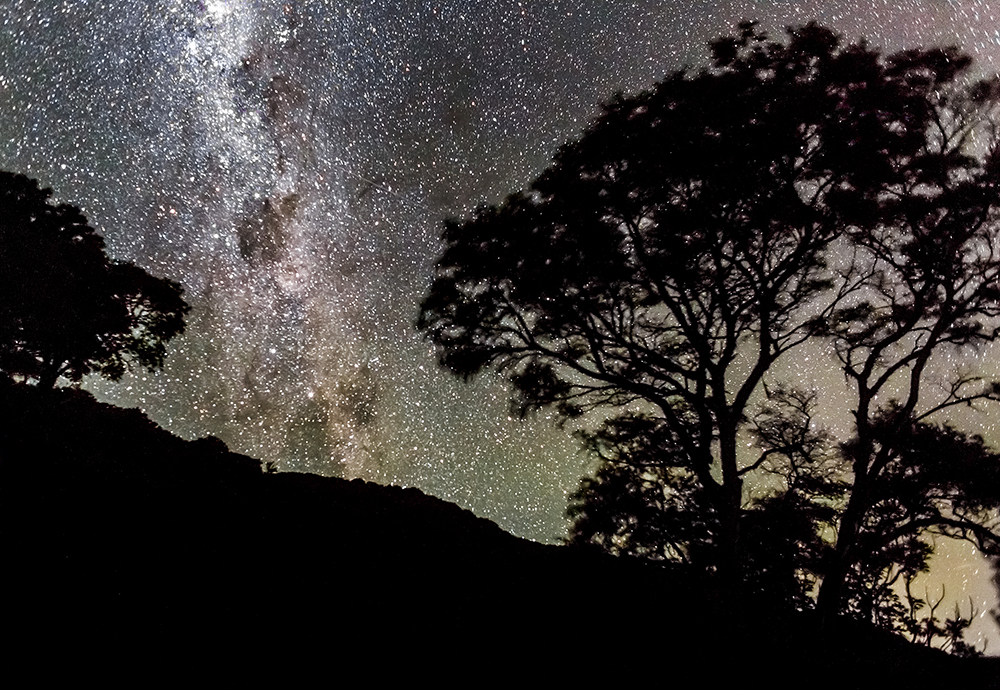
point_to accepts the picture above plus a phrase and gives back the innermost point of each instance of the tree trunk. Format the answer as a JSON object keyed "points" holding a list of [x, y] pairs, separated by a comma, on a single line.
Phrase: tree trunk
{"points": [[830, 600], [730, 511]]}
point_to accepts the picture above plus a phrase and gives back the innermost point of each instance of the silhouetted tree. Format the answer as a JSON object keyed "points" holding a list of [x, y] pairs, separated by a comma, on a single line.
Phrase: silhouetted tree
{"points": [[921, 288], [66, 310], [669, 257]]}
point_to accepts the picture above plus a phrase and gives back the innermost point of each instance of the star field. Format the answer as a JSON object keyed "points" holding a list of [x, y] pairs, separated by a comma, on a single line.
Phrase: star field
{"points": [[290, 165]]}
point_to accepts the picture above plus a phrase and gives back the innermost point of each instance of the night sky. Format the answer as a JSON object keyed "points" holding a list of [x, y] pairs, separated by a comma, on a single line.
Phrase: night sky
{"points": [[290, 165]]}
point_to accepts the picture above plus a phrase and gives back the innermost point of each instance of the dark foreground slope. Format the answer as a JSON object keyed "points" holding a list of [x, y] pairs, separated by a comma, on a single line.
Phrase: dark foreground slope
{"points": [[116, 533]]}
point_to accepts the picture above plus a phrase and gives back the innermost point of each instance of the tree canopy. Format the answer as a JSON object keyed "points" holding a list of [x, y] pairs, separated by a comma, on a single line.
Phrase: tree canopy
{"points": [[67, 310], [794, 192]]}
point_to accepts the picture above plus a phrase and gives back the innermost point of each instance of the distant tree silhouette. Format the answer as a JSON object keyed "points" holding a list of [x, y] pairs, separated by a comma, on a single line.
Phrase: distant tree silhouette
{"points": [[702, 231], [67, 310]]}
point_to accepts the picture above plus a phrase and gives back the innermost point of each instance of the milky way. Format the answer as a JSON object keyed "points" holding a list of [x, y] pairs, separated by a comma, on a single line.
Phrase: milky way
{"points": [[290, 164]]}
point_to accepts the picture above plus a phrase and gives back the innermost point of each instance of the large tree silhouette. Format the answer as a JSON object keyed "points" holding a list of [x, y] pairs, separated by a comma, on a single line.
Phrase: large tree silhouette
{"points": [[701, 231], [66, 309]]}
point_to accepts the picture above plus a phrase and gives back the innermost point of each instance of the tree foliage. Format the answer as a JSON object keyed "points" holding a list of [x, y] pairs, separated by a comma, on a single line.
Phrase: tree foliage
{"points": [[795, 192], [935, 482], [642, 504], [637, 503], [67, 310]]}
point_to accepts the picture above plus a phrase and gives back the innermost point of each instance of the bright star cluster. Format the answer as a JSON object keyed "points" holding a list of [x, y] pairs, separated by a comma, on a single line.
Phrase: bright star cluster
{"points": [[290, 163]]}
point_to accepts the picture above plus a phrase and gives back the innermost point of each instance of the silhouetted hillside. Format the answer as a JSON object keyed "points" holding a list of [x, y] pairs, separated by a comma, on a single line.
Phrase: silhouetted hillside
{"points": [[113, 529]]}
